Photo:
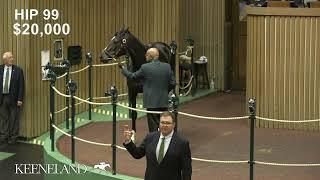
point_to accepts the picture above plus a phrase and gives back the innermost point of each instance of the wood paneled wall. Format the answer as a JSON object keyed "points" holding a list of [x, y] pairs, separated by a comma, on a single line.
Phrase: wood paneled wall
{"points": [[203, 20], [283, 65], [92, 24]]}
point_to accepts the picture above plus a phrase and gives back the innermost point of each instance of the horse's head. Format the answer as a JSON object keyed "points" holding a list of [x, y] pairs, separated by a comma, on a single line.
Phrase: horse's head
{"points": [[116, 47]]}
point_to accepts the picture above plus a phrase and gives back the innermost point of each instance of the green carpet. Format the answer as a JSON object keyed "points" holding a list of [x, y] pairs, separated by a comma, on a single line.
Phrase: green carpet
{"points": [[5, 155]]}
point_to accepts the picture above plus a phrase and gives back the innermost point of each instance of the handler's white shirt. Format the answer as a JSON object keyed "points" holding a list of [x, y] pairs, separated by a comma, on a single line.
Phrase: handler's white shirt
{"points": [[167, 141], [6, 68]]}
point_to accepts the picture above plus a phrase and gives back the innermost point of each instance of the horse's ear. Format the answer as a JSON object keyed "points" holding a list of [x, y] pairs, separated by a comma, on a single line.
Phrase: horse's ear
{"points": [[125, 28], [122, 29]]}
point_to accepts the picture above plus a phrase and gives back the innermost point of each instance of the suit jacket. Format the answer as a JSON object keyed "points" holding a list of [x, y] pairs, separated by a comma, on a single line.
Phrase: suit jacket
{"points": [[158, 79], [176, 164], [16, 90]]}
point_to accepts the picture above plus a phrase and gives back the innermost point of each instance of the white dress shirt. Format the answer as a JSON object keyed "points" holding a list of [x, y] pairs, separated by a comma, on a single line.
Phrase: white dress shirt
{"points": [[4, 76], [167, 141]]}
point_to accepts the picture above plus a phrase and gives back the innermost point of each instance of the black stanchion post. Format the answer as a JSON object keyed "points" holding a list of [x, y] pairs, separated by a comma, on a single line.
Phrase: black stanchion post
{"points": [[194, 83], [190, 42], [89, 61], [114, 96], [67, 103], [52, 78], [132, 113], [252, 117], [72, 88], [173, 49], [173, 107], [68, 65]]}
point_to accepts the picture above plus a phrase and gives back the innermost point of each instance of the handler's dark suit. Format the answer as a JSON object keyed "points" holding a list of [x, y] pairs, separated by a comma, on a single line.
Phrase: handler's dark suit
{"points": [[176, 164], [158, 79], [9, 122]]}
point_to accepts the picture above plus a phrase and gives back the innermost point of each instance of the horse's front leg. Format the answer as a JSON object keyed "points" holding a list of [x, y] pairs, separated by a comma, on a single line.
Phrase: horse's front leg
{"points": [[132, 113]]}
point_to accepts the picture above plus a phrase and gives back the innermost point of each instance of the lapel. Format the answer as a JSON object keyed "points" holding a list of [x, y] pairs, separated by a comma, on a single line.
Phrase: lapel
{"points": [[154, 146], [172, 144], [12, 73], [171, 147], [1, 75]]}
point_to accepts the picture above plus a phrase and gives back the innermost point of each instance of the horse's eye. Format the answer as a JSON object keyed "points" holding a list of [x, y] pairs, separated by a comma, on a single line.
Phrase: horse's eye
{"points": [[124, 41]]}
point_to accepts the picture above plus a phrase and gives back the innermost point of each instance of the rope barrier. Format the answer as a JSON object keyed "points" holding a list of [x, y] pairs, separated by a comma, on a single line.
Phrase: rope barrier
{"points": [[80, 70], [61, 110], [93, 103], [80, 139], [214, 118], [218, 161], [185, 94], [104, 97], [74, 72], [189, 83], [92, 142], [198, 159], [100, 65], [58, 129], [69, 107], [63, 75], [283, 164], [82, 100], [122, 148], [140, 110], [287, 121], [58, 92], [183, 113]]}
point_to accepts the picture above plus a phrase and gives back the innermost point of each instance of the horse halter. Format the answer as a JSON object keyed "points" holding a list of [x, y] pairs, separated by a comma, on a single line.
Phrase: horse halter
{"points": [[124, 46], [106, 52]]}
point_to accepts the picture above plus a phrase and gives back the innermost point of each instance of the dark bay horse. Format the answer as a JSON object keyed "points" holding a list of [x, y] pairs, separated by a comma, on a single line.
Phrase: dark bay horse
{"points": [[124, 43]]}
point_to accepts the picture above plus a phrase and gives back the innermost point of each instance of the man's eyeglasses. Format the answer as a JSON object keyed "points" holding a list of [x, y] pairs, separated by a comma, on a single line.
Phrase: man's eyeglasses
{"points": [[166, 122]]}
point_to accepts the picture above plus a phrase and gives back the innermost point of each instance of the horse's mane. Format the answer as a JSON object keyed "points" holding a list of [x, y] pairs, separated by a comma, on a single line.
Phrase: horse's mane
{"points": [[136, 47], [136, 51]]}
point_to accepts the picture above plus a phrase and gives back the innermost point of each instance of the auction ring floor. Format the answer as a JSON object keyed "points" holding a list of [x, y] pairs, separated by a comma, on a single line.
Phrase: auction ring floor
{"points": [[212, 140]]}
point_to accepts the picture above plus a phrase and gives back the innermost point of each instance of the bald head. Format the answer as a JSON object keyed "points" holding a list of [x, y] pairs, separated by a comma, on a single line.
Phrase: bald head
{"points": [[7, 58], [152, 53]]}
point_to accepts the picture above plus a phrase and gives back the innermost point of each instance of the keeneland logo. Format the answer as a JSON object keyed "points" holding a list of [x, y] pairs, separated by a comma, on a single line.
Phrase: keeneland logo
{"points": [[102, 166], [50, 168]]}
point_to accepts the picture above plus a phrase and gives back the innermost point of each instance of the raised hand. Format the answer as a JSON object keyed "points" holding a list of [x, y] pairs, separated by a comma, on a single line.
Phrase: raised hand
{"points": [[127, 133]]}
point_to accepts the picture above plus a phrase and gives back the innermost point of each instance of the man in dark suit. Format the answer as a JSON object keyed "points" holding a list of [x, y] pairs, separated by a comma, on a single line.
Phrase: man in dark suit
{"points": [[158, 79], [11, 98], [168, 154]]}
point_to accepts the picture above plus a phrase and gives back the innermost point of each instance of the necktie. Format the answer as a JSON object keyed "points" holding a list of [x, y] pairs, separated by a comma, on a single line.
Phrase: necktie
{"points": [[6, 83], [161, 150]]}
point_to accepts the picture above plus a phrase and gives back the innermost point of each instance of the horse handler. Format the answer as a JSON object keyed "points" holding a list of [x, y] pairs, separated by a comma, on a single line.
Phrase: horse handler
{"points": [[158, 79]]}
